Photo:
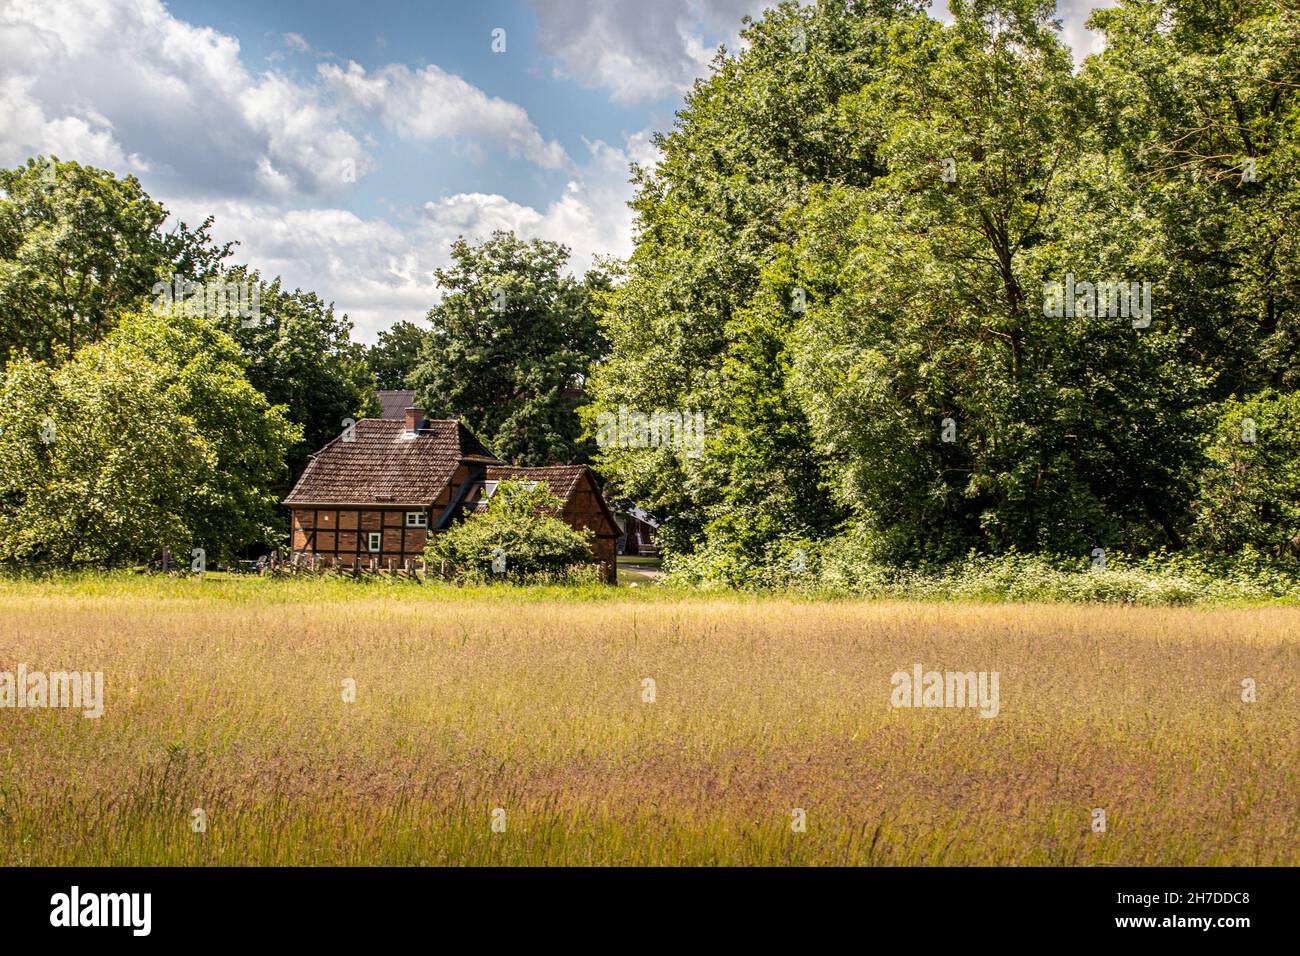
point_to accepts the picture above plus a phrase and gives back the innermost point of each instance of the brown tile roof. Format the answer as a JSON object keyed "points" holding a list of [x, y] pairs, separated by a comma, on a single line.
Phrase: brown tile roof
{"points": [[561, 479], [395, 402], [379, 465]]}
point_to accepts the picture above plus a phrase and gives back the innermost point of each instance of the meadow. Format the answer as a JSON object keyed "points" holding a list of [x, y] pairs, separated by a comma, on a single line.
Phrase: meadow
{"points": [[530, 708]]}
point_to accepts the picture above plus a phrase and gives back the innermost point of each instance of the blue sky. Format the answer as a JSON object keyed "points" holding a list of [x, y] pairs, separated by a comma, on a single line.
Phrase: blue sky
{"points": [[457, 38], [346, 145]]}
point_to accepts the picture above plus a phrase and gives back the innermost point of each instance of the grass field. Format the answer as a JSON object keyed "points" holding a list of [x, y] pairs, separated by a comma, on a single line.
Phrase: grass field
{"points": [[227, 696]]}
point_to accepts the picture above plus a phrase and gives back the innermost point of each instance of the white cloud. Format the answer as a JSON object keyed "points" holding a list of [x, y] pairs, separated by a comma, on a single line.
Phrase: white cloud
{"points": [[591, 217], [380, 272], [1073, 15], [432, 103], [373, 270], [89, 138], [635, 49], [125, 85]]}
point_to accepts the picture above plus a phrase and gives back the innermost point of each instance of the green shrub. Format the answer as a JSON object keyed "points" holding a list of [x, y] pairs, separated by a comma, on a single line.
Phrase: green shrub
{"points": [[520, 528], [840, 566], [1249, 495]]}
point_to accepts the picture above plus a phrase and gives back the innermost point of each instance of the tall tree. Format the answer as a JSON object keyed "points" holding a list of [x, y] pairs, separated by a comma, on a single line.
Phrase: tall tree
{"points": [[963, 412], [1199, 106], [512, 341], [151, 438], [78, 247], [300, 355], [397, 353], [748, 150]]}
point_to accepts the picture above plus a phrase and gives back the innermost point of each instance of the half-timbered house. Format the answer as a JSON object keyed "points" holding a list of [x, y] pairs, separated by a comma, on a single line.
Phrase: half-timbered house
{"points": [[374, 494]]}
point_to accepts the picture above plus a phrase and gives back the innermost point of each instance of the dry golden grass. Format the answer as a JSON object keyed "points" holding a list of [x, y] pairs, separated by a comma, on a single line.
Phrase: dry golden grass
{"points": [[228, 696]]}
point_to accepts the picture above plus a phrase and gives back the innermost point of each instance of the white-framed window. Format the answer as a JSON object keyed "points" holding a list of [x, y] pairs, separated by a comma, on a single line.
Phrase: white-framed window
{"points": [[375, 540], [417, 519]]}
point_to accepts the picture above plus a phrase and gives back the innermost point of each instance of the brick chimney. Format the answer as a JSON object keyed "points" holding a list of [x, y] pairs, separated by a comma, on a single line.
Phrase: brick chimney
{"points": [[414, 419]]}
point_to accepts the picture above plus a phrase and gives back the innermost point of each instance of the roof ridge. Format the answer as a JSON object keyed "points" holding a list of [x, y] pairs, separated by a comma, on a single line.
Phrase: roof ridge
{"points": [[373, 462]]}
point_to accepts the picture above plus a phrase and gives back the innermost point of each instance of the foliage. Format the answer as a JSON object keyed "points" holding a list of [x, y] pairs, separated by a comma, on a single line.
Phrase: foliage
{"points": [[748, 147], [300, 355], [842, 566], [1198, 107], [397, 353], [149, 439], [79, 247], [234, 504], [869, 336], [841, 262], [960, 413], [519, 526], [511, 342], [1249, 495]]}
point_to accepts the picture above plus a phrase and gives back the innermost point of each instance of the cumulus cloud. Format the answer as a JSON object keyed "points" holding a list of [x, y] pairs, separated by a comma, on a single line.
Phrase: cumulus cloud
{"points": [[27, 129], [125, 85], [591, 216], [634, 49], [376, 271], [1073, 15], [381, 271], [432, 103]]}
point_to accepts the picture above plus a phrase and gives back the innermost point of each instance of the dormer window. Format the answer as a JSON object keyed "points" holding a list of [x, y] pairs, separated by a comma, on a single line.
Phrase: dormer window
{"points": [[490, 488]]}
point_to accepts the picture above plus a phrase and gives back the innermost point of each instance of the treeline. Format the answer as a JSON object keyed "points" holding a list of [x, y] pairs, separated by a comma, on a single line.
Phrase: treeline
{"points": [[937, 291], [507, 348], [156, 397], [153, 395], [930, 289]]}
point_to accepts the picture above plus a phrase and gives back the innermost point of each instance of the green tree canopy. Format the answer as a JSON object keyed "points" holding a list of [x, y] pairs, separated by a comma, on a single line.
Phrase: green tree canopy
{"points": [[300, 355], [78, 247], [511, 343], [520, 530], [151, 438], [749, 147], [397, 353], [844, 259], [1198, 105]]}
